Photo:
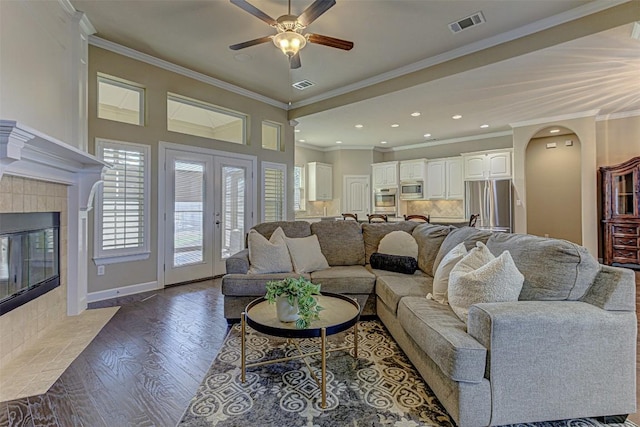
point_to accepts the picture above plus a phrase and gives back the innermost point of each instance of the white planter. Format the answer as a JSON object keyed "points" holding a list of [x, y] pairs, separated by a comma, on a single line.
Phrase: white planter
{"points": [[286, 312]]}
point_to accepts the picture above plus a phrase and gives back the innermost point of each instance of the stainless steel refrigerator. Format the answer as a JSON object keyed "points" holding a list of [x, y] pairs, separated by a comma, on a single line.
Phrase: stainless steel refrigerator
{"points": [[491, 199]]}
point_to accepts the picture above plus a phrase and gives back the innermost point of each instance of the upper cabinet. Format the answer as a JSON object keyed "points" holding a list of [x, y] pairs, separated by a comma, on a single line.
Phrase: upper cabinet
{"points": [[413, 170], [490, 165], [320, 181], [385, 174], [444, 179]]}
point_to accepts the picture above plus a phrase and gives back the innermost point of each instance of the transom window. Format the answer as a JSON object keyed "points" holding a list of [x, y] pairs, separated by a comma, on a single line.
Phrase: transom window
{"points": [[120, 100], [198, 118], [271, 135]]}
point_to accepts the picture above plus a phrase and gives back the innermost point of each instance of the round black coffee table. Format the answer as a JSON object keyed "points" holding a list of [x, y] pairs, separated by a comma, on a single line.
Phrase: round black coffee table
{"points": [[340, 313]]}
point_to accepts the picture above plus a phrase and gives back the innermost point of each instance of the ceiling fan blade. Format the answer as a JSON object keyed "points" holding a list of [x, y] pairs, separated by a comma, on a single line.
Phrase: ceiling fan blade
{"points": [[294, 61], [330, 41], [250, 43], [247, 7], [314, 11]]}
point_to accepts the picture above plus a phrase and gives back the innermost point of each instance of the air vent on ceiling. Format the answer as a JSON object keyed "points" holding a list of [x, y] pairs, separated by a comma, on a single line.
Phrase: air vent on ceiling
{"points": [[468, 22], [303, 84]]}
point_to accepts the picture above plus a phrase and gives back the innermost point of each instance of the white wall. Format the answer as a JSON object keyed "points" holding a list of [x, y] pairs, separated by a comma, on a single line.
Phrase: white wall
{"points": [[40, 50]]}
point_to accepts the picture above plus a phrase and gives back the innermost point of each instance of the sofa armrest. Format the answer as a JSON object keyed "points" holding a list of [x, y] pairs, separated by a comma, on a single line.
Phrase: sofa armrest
{"points": [[614, 288], [238, 263], [556, 359]]}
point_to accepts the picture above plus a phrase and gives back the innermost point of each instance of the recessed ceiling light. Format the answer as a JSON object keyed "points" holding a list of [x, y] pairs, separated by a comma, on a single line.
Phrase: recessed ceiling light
{"points": [[383, 142], [415, 114], [484, 126], [338, 142], [395, 125], [302, 140], [297, 130], [554, 131], [456, 117], [427, 135], [359, 126]]}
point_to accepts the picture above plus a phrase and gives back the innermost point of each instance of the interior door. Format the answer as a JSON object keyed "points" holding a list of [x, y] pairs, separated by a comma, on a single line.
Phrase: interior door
{"points": [[357, 195], [233, 213], [189, 225]]}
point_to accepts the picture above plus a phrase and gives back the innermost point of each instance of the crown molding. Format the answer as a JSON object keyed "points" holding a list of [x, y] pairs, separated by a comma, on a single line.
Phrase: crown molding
{"points": [[178, 69], [620, 115], [544, 120], [532, 28], [453, 140]]}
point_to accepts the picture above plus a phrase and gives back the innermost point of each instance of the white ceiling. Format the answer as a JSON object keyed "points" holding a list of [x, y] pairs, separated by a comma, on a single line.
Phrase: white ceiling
{"points": [[597, 72]]}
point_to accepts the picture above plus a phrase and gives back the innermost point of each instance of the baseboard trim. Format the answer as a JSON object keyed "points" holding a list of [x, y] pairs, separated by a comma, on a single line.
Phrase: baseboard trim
{"points": [[122, 291]]}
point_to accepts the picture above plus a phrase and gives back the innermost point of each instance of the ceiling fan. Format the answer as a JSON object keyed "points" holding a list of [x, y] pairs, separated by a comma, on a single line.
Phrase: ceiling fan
{"points": [[290, 38]]}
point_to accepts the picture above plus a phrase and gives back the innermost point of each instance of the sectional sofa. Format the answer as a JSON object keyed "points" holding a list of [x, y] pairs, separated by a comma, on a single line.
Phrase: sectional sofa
{"points": [[565, 349]]}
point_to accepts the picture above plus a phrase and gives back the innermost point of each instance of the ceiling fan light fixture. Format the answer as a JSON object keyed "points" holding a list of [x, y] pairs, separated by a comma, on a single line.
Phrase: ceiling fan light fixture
{"points": [[289, 42]]}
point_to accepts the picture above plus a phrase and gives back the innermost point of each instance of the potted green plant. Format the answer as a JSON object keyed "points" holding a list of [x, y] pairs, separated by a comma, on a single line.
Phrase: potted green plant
{"points": [[294, 300]]}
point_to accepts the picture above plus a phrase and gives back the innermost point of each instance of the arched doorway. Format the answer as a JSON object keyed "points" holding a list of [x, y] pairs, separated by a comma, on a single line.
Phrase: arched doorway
{"points": [[553, 184]]}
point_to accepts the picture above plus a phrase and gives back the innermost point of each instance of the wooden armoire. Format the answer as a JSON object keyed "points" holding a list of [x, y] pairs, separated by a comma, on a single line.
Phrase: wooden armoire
{"points": [[621, 213]]}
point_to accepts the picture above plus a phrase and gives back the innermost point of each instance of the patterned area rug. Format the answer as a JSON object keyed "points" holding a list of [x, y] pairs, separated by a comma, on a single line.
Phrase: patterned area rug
{"points": [[380, 388]]}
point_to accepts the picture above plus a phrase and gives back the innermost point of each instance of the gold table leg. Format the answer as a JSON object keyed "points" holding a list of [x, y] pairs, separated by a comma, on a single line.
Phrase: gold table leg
{"points": [[243, 363], [323, 338]]}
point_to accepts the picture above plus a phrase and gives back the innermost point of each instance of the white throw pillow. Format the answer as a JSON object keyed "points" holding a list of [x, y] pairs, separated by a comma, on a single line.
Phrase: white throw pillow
{"points": [[441, 276], [399, 243], [306, 254], [268, 256], [481, 277]]}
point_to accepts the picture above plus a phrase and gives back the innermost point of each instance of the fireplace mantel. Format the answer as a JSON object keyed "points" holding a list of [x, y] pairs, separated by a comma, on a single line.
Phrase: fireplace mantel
{"points": [[28, 153]]}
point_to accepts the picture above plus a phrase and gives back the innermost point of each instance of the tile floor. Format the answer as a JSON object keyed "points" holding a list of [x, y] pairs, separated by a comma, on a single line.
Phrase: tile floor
{"points": [[41, 364]]}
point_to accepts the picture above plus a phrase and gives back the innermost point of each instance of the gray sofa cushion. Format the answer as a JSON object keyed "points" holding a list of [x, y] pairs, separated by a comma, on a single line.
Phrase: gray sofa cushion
{"points": [[391, 289], [353, 279], [341, 241], [443, 337], [613, 289], [374, 232], [468, 235], [553, 269], [429, 238], [252, 284], [291, 228]]}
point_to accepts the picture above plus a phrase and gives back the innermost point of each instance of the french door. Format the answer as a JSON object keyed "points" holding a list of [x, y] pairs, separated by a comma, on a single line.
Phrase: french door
{"points": [[207, 209]]}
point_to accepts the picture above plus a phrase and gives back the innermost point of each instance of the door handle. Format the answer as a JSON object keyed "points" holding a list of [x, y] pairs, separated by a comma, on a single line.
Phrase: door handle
{"points": [[218, 222]]}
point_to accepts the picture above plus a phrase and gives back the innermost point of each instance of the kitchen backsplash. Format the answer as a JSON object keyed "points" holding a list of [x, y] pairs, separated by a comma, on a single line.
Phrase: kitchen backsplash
{"points": [[437, 208]]}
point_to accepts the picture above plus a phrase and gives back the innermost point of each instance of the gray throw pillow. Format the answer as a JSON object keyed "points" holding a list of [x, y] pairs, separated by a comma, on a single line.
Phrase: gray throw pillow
{"points": [[429, 238], [268, 256]]}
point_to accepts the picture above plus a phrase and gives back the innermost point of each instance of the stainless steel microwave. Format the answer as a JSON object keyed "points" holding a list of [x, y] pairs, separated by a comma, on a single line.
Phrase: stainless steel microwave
{"points": [[411, 190]]}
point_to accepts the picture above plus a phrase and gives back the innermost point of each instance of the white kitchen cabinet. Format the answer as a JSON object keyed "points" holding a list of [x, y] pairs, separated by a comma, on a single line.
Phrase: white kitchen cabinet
{"points": [[490, 165], [385, 174], [444, 179], [413, 170], [436, 180], [455, 179], [320, 181]]}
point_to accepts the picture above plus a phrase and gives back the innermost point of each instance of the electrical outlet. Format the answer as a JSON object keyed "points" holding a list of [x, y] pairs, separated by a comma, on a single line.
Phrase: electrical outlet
{"points": [[101, 270]]}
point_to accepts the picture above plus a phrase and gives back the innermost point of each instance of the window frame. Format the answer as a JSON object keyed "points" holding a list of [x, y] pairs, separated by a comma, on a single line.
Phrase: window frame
{"points": [[302, 207], [244, 118], [123, 84], [103, 256], [278, 128], [274, 166]]}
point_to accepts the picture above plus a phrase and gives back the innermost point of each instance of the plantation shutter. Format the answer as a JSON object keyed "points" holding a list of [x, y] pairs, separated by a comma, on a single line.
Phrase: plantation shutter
{"points": [[123, 207], [274, 207]]}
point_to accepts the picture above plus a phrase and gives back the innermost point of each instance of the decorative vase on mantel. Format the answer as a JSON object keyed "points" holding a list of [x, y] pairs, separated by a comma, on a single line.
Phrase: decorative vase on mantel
{"points": [[286, 311]]}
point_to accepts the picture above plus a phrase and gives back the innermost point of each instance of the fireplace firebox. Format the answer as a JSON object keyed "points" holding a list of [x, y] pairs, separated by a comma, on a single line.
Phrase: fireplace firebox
{"points": [[29, 257]]}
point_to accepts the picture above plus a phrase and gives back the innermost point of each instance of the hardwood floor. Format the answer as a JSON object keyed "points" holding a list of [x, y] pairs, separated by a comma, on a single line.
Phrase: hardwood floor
{"points": [[142, 369], [145, 365]]}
